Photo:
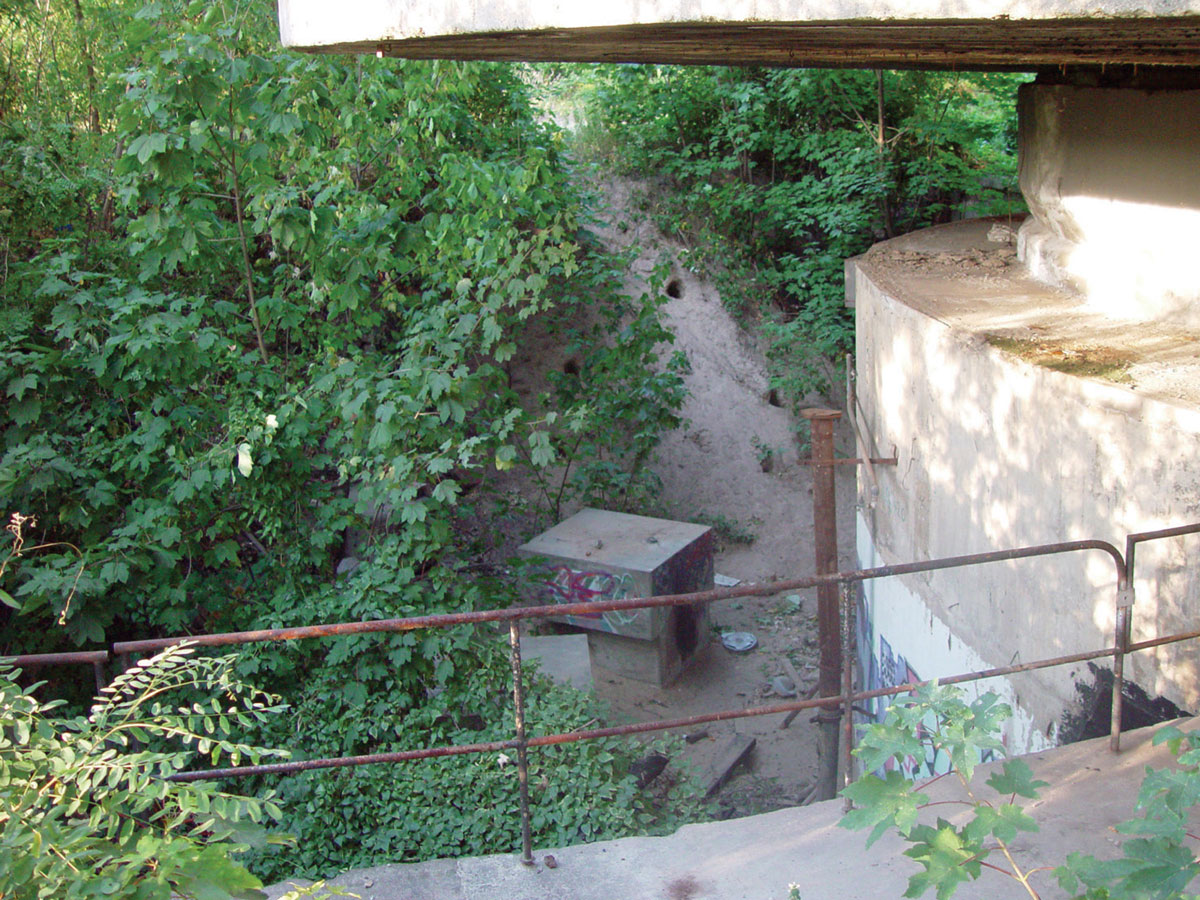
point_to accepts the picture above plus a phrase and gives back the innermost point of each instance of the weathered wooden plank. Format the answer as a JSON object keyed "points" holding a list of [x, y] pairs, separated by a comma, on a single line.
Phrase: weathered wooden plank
{"points": [[736, 749]]}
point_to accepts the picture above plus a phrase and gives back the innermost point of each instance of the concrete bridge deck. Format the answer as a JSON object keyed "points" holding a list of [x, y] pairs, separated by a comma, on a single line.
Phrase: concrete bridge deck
{"points": [[758, 857], [946, 34]]}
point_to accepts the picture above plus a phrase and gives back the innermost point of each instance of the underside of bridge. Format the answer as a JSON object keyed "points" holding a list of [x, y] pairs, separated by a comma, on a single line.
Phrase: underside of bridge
{"points": [[838, 33]]}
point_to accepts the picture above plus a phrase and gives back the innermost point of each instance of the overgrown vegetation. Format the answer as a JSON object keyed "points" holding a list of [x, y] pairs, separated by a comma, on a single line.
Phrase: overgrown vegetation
{"points": [[1157, 862], [85, 807], [258, 309], [1070, 357], [775, 177]]}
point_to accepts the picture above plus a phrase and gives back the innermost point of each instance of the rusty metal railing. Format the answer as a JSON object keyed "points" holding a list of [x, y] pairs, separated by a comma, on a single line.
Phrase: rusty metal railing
{"points": [[842, 702], [94, 658]]}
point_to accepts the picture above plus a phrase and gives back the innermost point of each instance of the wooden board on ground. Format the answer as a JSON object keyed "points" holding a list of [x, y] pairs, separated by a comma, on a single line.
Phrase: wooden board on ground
{"points": [[736, 749]]}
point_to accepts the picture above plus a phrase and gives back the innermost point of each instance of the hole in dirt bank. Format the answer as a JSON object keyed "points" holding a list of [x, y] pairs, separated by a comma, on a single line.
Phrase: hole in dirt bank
{"points": [[773, 398], [675, 289], [571, 367], [1093, 715]]}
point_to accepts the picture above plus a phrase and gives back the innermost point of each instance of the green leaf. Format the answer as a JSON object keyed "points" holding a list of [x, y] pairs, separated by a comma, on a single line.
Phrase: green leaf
{"points": [[947, 858], [1009, 820], [884, 741], [889, 802], [18, 386], [146, 146], [1017, 778], [505, 457]]}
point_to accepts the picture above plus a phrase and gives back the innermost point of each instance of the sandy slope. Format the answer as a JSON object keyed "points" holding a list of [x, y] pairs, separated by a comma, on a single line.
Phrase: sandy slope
{"points": [[712, 468]]}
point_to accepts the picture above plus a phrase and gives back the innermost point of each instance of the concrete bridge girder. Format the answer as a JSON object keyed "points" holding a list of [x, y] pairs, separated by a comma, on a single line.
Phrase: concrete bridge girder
{"points": [[967, 34]]}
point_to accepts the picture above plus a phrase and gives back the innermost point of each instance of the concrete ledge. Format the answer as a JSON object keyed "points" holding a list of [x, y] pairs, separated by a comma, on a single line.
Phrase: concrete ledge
{"points": [[756, 858], [1110, 176], [1011, 432]]}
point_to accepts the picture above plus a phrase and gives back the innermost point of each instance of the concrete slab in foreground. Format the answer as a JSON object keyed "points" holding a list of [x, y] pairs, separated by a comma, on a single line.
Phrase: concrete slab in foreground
{"points": [[758, 857]]}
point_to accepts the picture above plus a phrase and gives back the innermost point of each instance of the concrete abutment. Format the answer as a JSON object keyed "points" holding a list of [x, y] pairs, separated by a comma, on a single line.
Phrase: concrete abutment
{"points": [[1044, 395]]}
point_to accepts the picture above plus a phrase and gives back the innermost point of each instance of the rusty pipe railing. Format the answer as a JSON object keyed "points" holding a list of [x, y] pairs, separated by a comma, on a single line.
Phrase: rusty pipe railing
{"points": [[1121, 647], [443, 620], [570, 737], [847, 687], [514, 642], [1124, 623], [94, 658], [844, 699], [1141, 537]]}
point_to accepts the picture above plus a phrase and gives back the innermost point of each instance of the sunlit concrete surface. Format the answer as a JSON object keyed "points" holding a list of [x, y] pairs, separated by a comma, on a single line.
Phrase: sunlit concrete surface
{"points": [[1112, 176], [859, 33], [1021, 416], [758, 857]]}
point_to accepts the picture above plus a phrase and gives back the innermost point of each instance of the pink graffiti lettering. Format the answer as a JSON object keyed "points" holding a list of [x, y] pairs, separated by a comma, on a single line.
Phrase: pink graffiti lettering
{"points": [[565, 585]]}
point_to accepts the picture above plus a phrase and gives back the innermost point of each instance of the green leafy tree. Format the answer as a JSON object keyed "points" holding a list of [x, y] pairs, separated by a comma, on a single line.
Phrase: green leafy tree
{"points": [[799, 170], [86, 807], [253, 355], [937, 718], [324, 265]]}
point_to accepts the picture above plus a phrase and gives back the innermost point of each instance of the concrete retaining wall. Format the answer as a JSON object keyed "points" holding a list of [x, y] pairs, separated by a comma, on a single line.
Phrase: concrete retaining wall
{"points": [[994, 453]]}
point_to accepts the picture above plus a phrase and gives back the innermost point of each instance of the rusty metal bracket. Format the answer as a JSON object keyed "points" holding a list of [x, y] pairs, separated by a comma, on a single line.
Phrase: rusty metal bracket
{"points": [[874, 460]]}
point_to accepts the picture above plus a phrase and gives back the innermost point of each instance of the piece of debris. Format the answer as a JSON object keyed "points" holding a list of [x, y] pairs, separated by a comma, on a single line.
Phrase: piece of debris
{"points": [[695, 736], [1001, 234], [795, 678], [726, 581], [789, 669], [718, 771], [550, 861], [782, 686], [739, 641], [648, 768]]}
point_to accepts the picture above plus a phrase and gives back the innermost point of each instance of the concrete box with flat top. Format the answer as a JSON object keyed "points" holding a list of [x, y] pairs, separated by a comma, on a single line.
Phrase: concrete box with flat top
{"points": [[600, 555]]}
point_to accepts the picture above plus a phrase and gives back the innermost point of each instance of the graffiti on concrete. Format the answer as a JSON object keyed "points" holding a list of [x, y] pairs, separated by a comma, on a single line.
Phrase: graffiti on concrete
{"points": [[566, 585], [886, 669]]}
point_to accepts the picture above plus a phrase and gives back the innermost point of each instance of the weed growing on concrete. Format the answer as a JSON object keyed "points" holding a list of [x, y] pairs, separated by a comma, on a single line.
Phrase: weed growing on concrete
{"points": [[1157, 864]]}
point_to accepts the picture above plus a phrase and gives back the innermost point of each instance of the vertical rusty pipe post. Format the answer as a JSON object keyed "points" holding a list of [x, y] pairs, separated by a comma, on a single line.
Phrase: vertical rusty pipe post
{"points": [[1120, 648], [829, 631], [514, 642], [848, 647]]}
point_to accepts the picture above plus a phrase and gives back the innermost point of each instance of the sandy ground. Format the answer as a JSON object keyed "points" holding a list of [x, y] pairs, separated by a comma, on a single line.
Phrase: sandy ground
{"points": [[712, 469]]}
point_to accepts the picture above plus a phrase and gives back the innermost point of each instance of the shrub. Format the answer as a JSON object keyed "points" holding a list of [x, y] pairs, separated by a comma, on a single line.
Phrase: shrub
{"points": [[1158, 862], [85, 805]]}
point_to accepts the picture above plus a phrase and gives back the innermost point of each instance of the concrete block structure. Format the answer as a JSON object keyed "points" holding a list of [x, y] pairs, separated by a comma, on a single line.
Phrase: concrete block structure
{"points": [[949, 34], [601, 555]]}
